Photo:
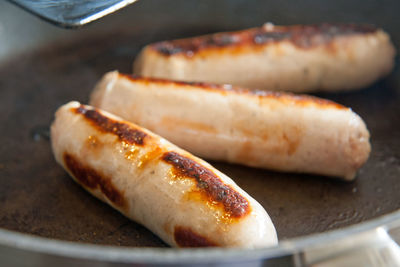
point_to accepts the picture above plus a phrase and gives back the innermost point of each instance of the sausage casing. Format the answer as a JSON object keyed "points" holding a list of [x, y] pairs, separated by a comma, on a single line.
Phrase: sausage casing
{"points": [[181, 198], [279, 131], [299, 58]]}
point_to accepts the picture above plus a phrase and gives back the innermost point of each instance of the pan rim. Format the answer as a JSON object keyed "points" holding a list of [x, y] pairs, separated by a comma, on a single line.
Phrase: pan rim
{"points": [[114, 254]]}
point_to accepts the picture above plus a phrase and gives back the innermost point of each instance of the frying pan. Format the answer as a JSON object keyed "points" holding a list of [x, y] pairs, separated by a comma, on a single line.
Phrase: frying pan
{"points": [[46, 219]]}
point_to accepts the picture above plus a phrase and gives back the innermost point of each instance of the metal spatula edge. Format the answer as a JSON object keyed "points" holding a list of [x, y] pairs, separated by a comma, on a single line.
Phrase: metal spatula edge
{"points": [[71, 13]]}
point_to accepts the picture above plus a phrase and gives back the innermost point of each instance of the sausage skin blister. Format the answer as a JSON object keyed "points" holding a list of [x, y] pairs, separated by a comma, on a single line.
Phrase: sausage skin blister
{"points": [[299, 58], [279, 131], [179, 197]]}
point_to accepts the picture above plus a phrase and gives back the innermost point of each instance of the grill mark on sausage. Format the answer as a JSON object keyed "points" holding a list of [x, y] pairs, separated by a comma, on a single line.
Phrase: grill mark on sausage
{"points": [[303, 36], [93, 179], [301, 100], [185, 237], [234, 204], [124, 131]]}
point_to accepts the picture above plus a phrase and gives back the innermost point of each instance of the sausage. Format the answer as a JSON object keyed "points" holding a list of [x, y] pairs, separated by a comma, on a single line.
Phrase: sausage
{"points": [[179, 197], [299, 58], [278, 131]]}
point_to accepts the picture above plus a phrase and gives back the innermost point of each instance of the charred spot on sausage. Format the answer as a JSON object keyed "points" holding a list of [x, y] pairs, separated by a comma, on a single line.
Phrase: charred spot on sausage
{"points": [[124, 131], [210, 184], [185, 237], [93, 179]]}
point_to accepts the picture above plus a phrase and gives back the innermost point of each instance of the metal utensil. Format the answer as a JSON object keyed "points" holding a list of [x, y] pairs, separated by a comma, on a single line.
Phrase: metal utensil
{"points": [[72, 13]]}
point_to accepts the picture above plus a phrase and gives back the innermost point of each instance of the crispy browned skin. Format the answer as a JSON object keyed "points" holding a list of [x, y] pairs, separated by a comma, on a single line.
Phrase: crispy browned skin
{"points": [[303, 36], [233, 203], [122, 130], [93, 180], [185, 237]]}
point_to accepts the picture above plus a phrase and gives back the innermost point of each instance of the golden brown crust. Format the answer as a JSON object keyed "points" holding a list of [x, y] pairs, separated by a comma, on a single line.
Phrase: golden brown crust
{"points": [[209, 185], [185, 237], [302, 36], [92, 179], [124, 131]]}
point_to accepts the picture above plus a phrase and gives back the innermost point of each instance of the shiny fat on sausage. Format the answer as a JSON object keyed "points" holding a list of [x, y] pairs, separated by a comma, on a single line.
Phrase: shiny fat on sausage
{"points": [[299, 58], [279, 131], [179, 197]]}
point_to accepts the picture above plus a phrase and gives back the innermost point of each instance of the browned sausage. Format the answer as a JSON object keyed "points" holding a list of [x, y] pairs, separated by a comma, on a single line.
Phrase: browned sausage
{"points": [[300, 58], [279, 131], [181, 198]]}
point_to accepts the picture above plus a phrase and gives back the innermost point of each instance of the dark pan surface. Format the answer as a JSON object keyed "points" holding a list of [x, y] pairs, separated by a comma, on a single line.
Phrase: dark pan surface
{"points": [[38, 197]]}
